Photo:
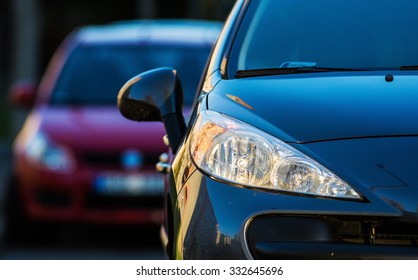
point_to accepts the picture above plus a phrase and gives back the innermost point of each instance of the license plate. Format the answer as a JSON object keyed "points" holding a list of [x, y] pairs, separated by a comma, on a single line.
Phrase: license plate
{"points": [[131, 184]]}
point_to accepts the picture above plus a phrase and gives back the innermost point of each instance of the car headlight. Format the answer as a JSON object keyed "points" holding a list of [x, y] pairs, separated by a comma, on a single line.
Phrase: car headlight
{"points": [[40, 151], [236, 152]]}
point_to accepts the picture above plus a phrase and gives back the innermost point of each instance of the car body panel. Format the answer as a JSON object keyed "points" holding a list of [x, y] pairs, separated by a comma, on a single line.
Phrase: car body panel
{"points": [[365, 106], [104, 123], [382, 167]]}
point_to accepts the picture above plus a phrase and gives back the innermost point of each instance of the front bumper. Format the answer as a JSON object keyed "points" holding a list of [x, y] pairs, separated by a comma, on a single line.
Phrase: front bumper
{"points": [[220, 221], [48, 196]]}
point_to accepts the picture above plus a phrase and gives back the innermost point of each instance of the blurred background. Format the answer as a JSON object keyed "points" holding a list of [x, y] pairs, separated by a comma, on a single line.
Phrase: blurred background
{"points": [[30, 31]]}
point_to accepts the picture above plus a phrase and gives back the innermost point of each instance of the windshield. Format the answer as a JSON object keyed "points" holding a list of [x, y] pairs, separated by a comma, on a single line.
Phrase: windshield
{"points": [[339, 34], [94, 75]]}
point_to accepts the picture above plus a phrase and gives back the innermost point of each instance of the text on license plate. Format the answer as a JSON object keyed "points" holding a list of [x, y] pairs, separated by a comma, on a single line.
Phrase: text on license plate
{"points": [[134, 184]]}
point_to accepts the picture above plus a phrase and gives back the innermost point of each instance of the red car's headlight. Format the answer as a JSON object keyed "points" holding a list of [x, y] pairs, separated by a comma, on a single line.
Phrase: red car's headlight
{"points": [[41, 151]]}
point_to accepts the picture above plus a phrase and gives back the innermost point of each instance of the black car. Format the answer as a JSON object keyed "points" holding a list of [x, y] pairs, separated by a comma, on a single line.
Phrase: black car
{"points": [[303, 141]]}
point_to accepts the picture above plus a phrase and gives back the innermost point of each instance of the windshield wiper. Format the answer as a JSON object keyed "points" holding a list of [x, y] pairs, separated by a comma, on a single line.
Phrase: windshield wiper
{"points": [[409, 67], [290, 70]]}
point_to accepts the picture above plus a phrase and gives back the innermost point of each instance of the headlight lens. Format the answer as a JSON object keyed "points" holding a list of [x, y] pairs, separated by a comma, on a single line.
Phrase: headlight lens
{"points": [[42, 152], [233, 151]]}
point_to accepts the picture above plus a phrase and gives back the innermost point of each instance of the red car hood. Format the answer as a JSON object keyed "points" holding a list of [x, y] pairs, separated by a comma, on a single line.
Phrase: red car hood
{"points": [[99, 128]]}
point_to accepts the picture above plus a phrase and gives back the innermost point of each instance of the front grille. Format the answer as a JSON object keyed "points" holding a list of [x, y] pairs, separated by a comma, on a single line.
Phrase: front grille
{"points": [[384, 233], [346, 237], [114, 159]]}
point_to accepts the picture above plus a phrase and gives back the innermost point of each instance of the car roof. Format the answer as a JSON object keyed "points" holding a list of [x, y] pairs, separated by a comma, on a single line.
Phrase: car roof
{"points": [[150, 31]]}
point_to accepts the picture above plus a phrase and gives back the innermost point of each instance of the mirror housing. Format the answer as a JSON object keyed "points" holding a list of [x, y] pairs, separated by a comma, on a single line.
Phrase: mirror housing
{"points": [[23, 94], [155, 95]]}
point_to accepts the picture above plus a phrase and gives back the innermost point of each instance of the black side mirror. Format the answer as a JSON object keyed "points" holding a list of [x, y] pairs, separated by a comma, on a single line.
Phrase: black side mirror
{"points": [[155, 95]]}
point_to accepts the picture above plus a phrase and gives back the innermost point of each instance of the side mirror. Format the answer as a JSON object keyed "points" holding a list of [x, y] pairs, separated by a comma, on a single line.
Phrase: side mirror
{"points": [[155, 95], [22, 94]]}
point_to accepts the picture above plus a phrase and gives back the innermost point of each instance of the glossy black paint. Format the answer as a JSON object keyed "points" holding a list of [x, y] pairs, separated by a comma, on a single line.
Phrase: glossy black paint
{"points": [[362, 126], [159, 96], [304, 102]]}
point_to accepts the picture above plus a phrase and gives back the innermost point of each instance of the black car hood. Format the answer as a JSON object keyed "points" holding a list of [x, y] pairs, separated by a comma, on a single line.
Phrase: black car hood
{"points": [[382, 168], [361, 127], [323, 106]]}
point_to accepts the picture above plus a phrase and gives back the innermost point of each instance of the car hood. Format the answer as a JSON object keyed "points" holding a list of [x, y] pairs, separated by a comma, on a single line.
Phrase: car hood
{"points": [[323, 106], [361, 127], [98, 128], [382, 169]]}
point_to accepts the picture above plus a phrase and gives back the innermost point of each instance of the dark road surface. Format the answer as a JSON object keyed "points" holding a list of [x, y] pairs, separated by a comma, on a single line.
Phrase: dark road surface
{"points": [[87, 244]]}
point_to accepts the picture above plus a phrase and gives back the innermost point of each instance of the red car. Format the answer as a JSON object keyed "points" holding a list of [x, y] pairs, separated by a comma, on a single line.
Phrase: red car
{"points": [[76, 158]]}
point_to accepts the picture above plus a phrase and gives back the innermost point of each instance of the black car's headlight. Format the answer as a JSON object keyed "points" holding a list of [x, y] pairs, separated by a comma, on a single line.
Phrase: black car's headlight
{"points": [[236, 152]]}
